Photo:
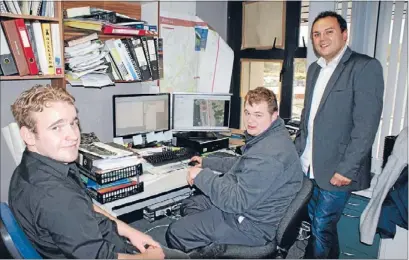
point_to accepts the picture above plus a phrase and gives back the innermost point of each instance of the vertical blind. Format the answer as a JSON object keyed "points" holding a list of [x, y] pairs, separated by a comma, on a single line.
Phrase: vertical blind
{"points": [[392, 52]]}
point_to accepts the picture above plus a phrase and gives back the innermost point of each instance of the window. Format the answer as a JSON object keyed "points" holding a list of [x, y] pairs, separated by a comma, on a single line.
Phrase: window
{"points": [[260, 73], [262, 64], [299, 84], [263, 23]]}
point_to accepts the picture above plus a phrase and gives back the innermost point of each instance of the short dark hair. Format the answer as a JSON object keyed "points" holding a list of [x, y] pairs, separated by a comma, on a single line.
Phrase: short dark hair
{"points": [[341, 21]]}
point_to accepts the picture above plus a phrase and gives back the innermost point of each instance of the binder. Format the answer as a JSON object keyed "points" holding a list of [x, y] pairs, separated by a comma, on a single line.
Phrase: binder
{"points": [[7, 63], [160, 57], [126, 58], [128, 46], [13, 38], [28, 50], [146, 52], [116, 57], [46, 28], [55, 35], [122, 30], [30, 32], [39, 39], [153, 57], [142, 60]]}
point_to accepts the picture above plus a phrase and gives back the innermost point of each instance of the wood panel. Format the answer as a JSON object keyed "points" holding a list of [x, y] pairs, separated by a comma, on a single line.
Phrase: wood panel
{"points": [[131, 9]]}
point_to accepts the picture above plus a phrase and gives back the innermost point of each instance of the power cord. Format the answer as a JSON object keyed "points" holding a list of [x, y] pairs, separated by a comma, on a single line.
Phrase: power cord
{"points": [[155, 227]]}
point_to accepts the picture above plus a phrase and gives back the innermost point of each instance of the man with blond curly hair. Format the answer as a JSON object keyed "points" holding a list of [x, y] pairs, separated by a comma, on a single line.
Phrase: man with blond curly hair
{"points": [[46, 195], [246, 204]]}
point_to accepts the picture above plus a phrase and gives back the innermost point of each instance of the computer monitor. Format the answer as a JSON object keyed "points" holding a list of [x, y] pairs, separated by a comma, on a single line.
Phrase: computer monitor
{"points": [[201, 112], [140, 113]]}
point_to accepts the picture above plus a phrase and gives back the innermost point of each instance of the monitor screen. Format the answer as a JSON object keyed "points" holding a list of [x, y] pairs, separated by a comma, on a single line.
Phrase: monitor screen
{"points": [[140, 113], [201, 112]]}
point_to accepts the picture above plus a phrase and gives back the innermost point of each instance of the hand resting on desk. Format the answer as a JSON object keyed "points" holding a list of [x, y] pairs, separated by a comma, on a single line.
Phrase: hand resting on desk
{"points": [[192, 173], [196, 161]]}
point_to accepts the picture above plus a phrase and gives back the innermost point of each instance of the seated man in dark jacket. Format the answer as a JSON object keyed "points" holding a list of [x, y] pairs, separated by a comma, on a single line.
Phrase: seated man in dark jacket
{"points": [[47, 197], [245, 205]]}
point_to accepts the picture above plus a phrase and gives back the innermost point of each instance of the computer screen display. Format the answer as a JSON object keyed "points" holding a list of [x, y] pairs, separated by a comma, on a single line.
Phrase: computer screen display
{"points": [[140, 113], [201, 112]]}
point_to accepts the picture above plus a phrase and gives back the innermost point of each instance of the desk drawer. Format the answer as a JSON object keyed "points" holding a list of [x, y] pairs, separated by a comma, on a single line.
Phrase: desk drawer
{"points": [[348, 231]]}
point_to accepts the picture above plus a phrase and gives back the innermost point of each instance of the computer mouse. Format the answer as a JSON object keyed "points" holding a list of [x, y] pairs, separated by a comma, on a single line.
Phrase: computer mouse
{"points": [[193, 163]]}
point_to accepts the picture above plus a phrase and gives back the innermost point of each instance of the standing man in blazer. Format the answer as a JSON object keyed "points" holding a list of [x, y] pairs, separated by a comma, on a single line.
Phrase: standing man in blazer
{"points": [[342, 109]]}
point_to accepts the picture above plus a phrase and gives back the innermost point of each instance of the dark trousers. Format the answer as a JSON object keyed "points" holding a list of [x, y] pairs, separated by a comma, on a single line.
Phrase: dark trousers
{"points": [[325, 209], [203, 223]]}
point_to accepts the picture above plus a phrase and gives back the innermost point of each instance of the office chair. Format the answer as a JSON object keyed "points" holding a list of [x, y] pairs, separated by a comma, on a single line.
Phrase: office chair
{"points": [[286, 236], [14, 242]]}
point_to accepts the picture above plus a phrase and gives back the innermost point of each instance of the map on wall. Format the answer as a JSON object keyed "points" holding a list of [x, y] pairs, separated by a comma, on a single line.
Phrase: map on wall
{"points": [[192, 61]]}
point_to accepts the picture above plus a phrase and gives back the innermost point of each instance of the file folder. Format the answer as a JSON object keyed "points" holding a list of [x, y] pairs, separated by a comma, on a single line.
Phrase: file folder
{"points": [[27, 48], [13, 38], [7, 64]]}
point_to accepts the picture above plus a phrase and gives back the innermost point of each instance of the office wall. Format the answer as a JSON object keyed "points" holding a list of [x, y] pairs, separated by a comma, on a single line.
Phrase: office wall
{"points": [[94, 105], [214, 13]]}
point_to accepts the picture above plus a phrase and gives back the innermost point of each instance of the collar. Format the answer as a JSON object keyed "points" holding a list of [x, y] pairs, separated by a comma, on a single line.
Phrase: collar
{"points": [[59, 167], [321, 61], [275, 126]]}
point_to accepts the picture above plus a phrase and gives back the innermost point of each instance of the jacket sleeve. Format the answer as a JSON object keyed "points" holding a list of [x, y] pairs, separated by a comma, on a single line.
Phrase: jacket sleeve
{"points": [[366, 114], [297, 141], [77, 234], [221, 165], [253, 181]]}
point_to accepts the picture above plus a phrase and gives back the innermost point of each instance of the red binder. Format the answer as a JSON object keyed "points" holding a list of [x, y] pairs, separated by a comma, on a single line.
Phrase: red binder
{"points": [[110, 29], [28, 50]]}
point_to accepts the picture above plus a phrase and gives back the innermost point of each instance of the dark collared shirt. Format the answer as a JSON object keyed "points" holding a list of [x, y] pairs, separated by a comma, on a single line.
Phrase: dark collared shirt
{"points": [[57, 214]]}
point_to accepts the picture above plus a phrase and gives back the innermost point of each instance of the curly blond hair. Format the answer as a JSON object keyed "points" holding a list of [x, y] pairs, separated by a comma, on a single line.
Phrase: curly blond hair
{"points": [[36, 99], [260, 94]]}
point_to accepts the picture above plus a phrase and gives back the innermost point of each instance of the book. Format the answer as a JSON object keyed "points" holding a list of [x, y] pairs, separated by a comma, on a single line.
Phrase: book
{"points": [[46, 28]]}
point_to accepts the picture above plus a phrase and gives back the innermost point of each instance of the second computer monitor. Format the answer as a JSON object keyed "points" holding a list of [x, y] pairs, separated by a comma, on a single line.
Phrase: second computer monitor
{"points": [[201, 112], [140, 114]]}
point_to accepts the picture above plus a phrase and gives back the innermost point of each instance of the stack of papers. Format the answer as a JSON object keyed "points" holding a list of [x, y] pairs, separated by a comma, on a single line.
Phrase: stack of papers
{"points": [[88, 65]]}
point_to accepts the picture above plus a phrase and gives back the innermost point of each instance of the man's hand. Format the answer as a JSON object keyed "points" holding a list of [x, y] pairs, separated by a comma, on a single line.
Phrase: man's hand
{"points": [[139, 240], [197, 159], [191, 174], [154, 253], [339, 180]]}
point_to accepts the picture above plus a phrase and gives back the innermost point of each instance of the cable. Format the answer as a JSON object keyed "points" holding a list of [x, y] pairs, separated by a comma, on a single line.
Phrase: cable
{"points": [[158, 226]]}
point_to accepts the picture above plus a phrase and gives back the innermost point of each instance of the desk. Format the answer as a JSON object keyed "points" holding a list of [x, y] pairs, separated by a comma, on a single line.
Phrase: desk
{"points": [[157, 188]]}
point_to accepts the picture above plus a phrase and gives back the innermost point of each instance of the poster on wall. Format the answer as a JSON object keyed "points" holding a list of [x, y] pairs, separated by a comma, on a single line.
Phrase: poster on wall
{"points": [[195, 57]]}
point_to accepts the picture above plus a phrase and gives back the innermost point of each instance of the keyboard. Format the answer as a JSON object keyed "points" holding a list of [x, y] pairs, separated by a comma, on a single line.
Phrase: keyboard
{"points": [[169, 156]]}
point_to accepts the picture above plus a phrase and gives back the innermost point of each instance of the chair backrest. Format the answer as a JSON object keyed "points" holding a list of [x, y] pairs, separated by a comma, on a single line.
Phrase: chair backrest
{"points": [[13, 237], [297, 212]]}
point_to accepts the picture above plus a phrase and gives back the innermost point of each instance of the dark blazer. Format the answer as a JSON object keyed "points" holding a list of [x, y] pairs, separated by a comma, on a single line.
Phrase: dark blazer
{"points": [[346, 122]]}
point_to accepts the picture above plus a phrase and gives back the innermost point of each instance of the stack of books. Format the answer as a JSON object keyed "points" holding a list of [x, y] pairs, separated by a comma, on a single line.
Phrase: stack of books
{"points": [[30, 48], [86, 62], [109, 171], [26, 7]]}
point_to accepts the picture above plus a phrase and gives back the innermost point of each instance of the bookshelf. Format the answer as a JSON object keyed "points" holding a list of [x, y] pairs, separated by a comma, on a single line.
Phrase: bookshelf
{"points": [[56, 80], [131, 9]]}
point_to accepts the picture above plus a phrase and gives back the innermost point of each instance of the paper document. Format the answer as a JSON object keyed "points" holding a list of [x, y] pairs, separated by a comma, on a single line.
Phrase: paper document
{"points": [[15, 143]]}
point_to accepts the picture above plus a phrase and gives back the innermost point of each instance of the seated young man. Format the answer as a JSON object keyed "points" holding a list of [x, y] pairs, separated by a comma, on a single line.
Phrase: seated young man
{"points": [[245, 205], [47, 197]]}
